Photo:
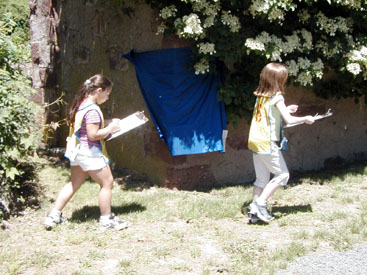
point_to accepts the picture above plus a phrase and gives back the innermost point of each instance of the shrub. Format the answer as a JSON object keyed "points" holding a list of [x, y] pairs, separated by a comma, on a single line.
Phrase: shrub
{"points": [[20, 133]]}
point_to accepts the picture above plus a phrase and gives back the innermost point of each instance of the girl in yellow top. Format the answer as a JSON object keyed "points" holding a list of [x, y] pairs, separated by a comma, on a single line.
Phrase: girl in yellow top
{"points": [[87, 153], [265, 137]]}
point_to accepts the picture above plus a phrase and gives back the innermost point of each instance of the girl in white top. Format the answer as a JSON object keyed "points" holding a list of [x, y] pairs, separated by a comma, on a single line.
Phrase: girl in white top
{"points": [[266, 135], [86, 152]]}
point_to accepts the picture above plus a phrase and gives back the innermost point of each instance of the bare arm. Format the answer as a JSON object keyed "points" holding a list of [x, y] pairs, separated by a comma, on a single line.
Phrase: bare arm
{"points": [[95, 133], [288, 118]]}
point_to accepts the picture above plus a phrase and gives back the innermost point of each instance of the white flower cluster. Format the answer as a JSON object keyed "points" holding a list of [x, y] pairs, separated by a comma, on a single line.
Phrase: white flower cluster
{"points": [[355, 4], [168, 12], [331, 26], [208, 9], [275, 47], [202, 66], [275, 9], [254, 45], [192, 26], [354, 68], [161, 28], [359, 55], [303, 16], [231, 20], [329, 49], [206, 48], [357, 59], [304, 71]]}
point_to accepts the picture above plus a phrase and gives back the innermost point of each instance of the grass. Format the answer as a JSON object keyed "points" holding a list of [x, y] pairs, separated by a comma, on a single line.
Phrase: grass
{"points": [[181, 232]]}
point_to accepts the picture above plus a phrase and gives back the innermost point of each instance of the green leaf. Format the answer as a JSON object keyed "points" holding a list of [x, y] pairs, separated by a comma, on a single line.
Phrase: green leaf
{"points": [[12, 172], [227, 100]]}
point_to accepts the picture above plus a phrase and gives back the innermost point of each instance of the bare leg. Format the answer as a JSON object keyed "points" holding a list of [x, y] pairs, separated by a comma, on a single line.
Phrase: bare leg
{"points": [[105, 179], [269, 190], [257, 191], [78, 176]]}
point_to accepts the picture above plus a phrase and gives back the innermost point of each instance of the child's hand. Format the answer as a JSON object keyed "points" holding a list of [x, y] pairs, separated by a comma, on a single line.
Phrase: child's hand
{"points": [[292, 108], [114, 126], [309, 119]]}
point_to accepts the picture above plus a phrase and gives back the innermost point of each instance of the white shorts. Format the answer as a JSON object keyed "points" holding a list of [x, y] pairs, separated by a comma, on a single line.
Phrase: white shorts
{"points": [[90, 161]]}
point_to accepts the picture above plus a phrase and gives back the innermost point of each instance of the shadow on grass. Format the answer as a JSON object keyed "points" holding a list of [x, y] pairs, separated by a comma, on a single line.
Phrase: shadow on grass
{"points": [[283, 210], [278, 211], [88, 213], [286, 210]]}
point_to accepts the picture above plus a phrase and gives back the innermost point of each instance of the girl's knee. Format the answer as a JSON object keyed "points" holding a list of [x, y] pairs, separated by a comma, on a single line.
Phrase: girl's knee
{"points": [[108, 185], [283, 178]]}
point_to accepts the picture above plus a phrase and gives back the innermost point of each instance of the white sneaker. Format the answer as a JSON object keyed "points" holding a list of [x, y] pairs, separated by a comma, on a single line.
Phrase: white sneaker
{"points": [[52, 220], [262, 212], [113, 222], [252, 214]]}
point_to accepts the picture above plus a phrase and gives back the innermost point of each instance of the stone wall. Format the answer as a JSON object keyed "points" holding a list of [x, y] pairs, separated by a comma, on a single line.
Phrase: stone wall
{"points": [[73, 40]]}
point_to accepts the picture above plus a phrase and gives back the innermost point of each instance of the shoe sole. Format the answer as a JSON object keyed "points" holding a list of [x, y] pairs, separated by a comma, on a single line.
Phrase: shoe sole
{"points": [[253, 218]]}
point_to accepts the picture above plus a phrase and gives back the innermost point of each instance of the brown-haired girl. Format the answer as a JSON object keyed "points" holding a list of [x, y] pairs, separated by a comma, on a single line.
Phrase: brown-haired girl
{"points": [[87, 153], [266, 140]]}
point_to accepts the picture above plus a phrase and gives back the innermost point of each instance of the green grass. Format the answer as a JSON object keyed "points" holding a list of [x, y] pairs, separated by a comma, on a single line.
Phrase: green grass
{"points": [[182, 232]]}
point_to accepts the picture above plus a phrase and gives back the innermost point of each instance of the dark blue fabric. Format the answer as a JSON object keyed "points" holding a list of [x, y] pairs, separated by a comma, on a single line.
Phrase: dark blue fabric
{"points": [[184, 106]]}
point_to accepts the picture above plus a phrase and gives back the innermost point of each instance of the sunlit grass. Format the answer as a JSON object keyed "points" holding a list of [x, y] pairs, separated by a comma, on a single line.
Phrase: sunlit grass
{"points": [[187, 231]]}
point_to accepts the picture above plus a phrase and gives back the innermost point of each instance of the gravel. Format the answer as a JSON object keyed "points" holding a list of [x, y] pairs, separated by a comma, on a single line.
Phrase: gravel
{"points": [[348, 262]]}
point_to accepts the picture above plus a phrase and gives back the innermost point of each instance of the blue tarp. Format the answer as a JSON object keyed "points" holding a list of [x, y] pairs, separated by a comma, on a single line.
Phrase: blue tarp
{"points": [[183, 106]]}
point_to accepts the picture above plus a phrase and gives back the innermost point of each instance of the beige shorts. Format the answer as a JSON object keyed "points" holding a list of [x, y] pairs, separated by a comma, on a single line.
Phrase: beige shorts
{"points": [[90, 161], [265, 165]]}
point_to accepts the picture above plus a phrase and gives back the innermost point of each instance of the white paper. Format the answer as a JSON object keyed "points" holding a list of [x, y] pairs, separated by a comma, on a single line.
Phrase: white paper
{"points": [[316, 117], [128, 123]]}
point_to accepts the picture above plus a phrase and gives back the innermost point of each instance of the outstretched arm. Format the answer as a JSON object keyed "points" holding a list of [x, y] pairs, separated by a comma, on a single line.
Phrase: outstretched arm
{"points": [[288, 118]]}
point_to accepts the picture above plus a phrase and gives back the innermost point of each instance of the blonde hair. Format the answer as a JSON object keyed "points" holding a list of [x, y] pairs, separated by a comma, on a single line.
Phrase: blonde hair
{"points": [[272, 80]]}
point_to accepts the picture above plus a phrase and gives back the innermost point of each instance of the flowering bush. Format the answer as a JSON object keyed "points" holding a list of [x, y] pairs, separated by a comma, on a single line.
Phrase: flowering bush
{"points": [[311, 37]]}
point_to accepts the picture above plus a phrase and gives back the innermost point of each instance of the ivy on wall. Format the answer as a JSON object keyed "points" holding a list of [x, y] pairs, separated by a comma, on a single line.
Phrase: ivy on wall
{"points": [[312, 37]]}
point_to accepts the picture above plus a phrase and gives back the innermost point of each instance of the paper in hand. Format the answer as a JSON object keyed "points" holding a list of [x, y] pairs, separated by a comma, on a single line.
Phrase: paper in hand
{"points": [[316, 117], [128, 123]]}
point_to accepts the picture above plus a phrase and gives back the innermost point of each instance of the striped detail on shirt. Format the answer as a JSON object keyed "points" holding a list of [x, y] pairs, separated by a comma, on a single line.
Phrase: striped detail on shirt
{"points": [[90, 117]]}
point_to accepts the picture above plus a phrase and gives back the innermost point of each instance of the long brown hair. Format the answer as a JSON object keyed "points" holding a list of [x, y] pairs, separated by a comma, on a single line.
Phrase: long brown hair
{"points": [[272, 80], [90, 85]]}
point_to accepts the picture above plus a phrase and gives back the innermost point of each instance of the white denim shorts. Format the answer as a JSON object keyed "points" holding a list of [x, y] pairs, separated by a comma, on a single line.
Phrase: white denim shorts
{"points": [[90, 159]]}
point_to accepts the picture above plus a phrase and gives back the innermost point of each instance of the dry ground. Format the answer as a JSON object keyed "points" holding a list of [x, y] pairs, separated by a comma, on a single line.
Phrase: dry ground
{"points": [[181, 232]]}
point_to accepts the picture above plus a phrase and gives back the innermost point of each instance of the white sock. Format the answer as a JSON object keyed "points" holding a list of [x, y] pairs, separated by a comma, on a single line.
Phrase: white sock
{"points": [[261, 202], [105, 218], [55, 212]]}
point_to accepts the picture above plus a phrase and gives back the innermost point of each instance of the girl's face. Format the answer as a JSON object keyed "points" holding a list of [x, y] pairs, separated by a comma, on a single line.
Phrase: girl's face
{"points": [[103, 95]]}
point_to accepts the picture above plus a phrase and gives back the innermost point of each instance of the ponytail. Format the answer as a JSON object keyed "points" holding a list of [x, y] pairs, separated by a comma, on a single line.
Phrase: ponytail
{"points": [[90, 85]]}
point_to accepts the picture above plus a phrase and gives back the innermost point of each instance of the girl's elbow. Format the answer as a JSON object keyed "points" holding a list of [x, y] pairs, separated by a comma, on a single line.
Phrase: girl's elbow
{"points": [[287, 120]]}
